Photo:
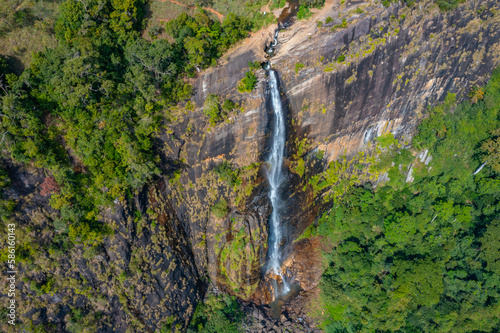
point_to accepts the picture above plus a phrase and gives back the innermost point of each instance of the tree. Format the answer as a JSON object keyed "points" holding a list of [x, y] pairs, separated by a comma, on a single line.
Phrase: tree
{"points": [[211, 108], [490, 246], [492, 149], [476, 94], [49, 186], [198, 51], [156, 58], [248, 83], [420, 280]]}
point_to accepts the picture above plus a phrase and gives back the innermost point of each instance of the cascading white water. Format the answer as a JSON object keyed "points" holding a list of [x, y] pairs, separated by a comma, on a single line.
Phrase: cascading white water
{"points": [[275, 177]]}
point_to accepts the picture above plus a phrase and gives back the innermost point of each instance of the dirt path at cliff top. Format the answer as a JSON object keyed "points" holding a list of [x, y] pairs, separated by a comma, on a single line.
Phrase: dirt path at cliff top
{"points": [[213, 11], [302, 30], [257, 41]]}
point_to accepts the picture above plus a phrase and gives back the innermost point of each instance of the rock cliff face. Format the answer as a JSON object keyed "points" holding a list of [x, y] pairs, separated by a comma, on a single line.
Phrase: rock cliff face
{"points": [[397, 60], [203, 224], [142, 277], [369, 71]]}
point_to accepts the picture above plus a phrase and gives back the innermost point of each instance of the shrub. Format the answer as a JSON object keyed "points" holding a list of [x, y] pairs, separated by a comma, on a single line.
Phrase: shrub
{"points": [[216, 315], [448, 4], [211, 109], [320, 154], [274, 4], [298, 67], [312, 3], [227, 173], [155, 31], [49, 186], [328, 20], [303, 13], [254, 65], [228, 105], [220, 209], [248, 83]]}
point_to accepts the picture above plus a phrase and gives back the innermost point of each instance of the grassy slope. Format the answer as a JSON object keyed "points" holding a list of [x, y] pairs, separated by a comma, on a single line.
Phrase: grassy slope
{"points": [[26, 26]]}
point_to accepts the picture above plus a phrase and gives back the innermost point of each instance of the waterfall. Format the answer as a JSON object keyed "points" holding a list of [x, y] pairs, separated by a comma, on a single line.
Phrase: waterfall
{"points": [[275, 177]]}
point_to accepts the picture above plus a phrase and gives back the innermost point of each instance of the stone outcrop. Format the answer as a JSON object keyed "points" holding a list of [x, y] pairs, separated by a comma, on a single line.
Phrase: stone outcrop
{"points": [[142, 277], [396, 61]]}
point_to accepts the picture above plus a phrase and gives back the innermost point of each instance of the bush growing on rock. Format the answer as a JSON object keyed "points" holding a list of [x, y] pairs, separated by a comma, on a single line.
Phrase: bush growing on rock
{"points": [[228, 105], [227, 173], [212, 110], [220, 209], [298, 67], [248, 83], [216, 315], [303, 13]]}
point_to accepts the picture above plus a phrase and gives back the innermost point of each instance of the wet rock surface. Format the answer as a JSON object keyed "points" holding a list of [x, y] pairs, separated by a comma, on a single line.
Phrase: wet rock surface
{"points": [[258, 319]]}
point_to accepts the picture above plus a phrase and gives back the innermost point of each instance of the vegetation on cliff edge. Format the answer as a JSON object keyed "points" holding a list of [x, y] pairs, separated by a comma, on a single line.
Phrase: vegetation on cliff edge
{"points": [[420, 253]]}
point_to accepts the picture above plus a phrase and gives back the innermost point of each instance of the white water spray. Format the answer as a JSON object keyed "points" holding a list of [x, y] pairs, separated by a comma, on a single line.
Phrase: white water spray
{"points": [[275, 176]]}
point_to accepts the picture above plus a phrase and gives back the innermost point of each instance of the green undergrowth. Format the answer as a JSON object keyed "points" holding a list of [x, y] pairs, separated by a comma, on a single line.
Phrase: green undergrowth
{"points": [[345, 173], [275, 4], [249, 81], [239, 256], [240, 181], [216, 314], [304, 13], [217, 110], [220, 209]]}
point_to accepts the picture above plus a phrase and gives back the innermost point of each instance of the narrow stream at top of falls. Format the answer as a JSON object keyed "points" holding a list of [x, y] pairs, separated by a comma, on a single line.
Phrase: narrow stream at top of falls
{"points": [[275, 177]]}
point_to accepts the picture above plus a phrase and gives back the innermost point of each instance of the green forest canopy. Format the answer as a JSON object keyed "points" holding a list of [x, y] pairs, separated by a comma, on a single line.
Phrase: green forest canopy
{"points": [[423, 256]]}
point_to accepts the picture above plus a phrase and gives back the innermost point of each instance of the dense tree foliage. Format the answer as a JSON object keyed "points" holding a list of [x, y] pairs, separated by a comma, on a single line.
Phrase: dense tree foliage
{"points": [[89, 109], [4, 70], [203, 40], [422, 255]]}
